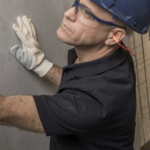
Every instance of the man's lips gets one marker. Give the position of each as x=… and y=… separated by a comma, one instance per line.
x=65, y=26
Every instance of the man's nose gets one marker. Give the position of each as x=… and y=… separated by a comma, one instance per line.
x=70, y=14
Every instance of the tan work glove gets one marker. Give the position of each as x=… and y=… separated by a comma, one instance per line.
x=29, y=55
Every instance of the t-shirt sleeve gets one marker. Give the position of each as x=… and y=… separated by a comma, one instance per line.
x=70, y=112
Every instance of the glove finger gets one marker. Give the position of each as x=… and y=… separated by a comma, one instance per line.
x=22, y=26
x=20, y=22
x=27, y=24
x=16, y=29
x=14, y=47
x=16, y=51
x=24, y=57
x=18, y=32
x=33, y=29
x=19, y=54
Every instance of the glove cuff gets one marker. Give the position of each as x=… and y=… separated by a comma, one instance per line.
x=43, y=68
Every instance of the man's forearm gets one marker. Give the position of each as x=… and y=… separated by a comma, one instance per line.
x=21, y=112
x=55, y=75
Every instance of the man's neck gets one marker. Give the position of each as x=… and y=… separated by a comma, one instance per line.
x=86, y=54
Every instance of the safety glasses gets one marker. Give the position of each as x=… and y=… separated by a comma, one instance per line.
x=86, y=16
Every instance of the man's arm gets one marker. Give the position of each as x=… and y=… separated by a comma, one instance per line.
x=55, y=75
x=21, y=112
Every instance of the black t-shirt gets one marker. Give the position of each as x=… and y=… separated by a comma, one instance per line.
x=94, y=107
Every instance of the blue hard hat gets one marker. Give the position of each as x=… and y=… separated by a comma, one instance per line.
x=134, y=13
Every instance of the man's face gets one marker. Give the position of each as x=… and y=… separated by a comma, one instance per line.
x=80, y=30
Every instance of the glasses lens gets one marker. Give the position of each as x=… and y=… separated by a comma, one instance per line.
x=83, y=15
x=85, y=18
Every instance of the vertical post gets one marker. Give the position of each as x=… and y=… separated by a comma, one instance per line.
x=136, y=138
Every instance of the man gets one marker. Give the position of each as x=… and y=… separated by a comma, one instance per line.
x=95, y=105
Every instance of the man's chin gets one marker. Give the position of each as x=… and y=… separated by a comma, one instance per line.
x=63, y=38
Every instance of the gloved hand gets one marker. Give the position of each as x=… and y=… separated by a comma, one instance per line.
x=29, y=55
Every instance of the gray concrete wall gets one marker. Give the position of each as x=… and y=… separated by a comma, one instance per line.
x=14, y=78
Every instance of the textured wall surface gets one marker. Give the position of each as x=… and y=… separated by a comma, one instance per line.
x=14, y=78
x=141, y=45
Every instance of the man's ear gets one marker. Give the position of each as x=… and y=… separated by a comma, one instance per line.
x=118, y=33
